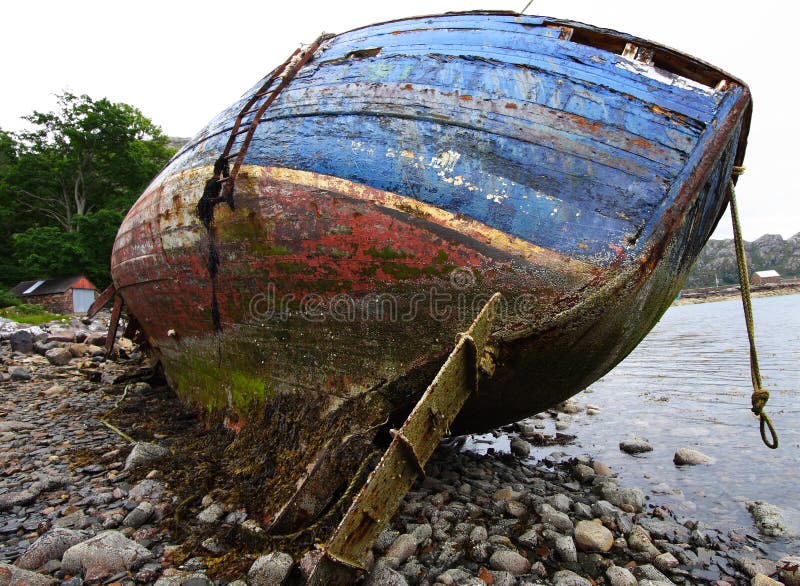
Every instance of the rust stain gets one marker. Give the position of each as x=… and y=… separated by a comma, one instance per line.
x=465, y=97
x=485, y=576
x=511, y=106
x=408, y=86
x=641, y=142
x=589, y=125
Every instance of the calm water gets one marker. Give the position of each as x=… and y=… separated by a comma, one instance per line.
x=688, y=385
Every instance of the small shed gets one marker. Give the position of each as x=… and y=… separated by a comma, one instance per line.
x=764, y=277
x=62, y=295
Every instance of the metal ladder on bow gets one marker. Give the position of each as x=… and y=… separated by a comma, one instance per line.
x=248, y=118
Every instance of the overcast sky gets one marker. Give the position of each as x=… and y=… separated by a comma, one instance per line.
x=181, y=62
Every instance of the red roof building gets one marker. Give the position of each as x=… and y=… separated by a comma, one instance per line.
x=62, y=295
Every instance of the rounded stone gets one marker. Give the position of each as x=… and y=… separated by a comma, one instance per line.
x=637, y=445
x=601, y=469
x=58, y=356
x=690, y=457
x=621, y=496
x=569, y=578
x=139, y=516
x=211, y=514
x=403, y=548
x=50, y=546
x=509, y=561
x=556, y=519
x=618, y=576
x=520, y=448
x=270, y=570
x=789, y=570
x=768, y=518
x=22, y=341
x=104, y=555
x=565, y=547
x=145, y=453
x=593, y=536
x=666, y=562
x=764, y=580
x=19, y=373
x=383, y=575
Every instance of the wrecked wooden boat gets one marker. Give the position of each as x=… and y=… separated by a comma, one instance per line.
x=303, y=265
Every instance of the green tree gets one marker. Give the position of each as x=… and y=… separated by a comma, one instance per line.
x=12, y=216
x=48, y=250
x=66, y=184
x=85, y=156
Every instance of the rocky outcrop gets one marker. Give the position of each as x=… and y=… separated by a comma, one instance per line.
x=717, y=261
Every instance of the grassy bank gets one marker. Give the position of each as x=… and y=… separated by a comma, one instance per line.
x=27, y=313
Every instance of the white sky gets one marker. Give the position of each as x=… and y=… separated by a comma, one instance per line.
x=182, y=61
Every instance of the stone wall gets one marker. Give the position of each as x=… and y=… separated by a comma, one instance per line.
x=56, y=302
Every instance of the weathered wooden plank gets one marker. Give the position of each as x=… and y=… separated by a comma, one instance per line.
x=522, y=188
x=104, y=297
x=522, y=86
x=574, y=135
x=407, y=455
x=561, y=58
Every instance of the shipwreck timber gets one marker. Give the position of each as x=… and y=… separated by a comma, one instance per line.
x=303, y=265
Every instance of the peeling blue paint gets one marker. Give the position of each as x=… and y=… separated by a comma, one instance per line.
x=565, y=145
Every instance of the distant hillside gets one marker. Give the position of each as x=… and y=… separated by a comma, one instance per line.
x=771, y=251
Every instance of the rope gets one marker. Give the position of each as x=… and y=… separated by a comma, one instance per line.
x=760, y=395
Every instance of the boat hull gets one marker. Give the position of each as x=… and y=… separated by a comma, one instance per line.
x=411, y=170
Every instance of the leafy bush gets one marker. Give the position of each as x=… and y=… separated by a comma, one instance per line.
x=7, y=299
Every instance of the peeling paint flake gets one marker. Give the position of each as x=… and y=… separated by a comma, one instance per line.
x=445, y=160
x=664, y=76
x=497, y=197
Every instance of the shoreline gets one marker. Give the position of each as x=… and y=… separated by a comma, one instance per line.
x=711, y=294
x=161, y=503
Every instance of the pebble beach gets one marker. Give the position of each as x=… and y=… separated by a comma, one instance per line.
x=91, y=492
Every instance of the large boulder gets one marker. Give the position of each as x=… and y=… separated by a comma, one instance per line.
x=61, y=336
x=50, y=546
x=768, y=518
x=22, y=341
x=13, y=576
x=58, y=356
x=106, y=554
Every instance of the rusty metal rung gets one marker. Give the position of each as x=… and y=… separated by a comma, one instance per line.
x=410, y=449
x=278, y=80
x=343, y=560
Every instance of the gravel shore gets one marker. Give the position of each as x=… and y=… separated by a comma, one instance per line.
x=96, y=488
